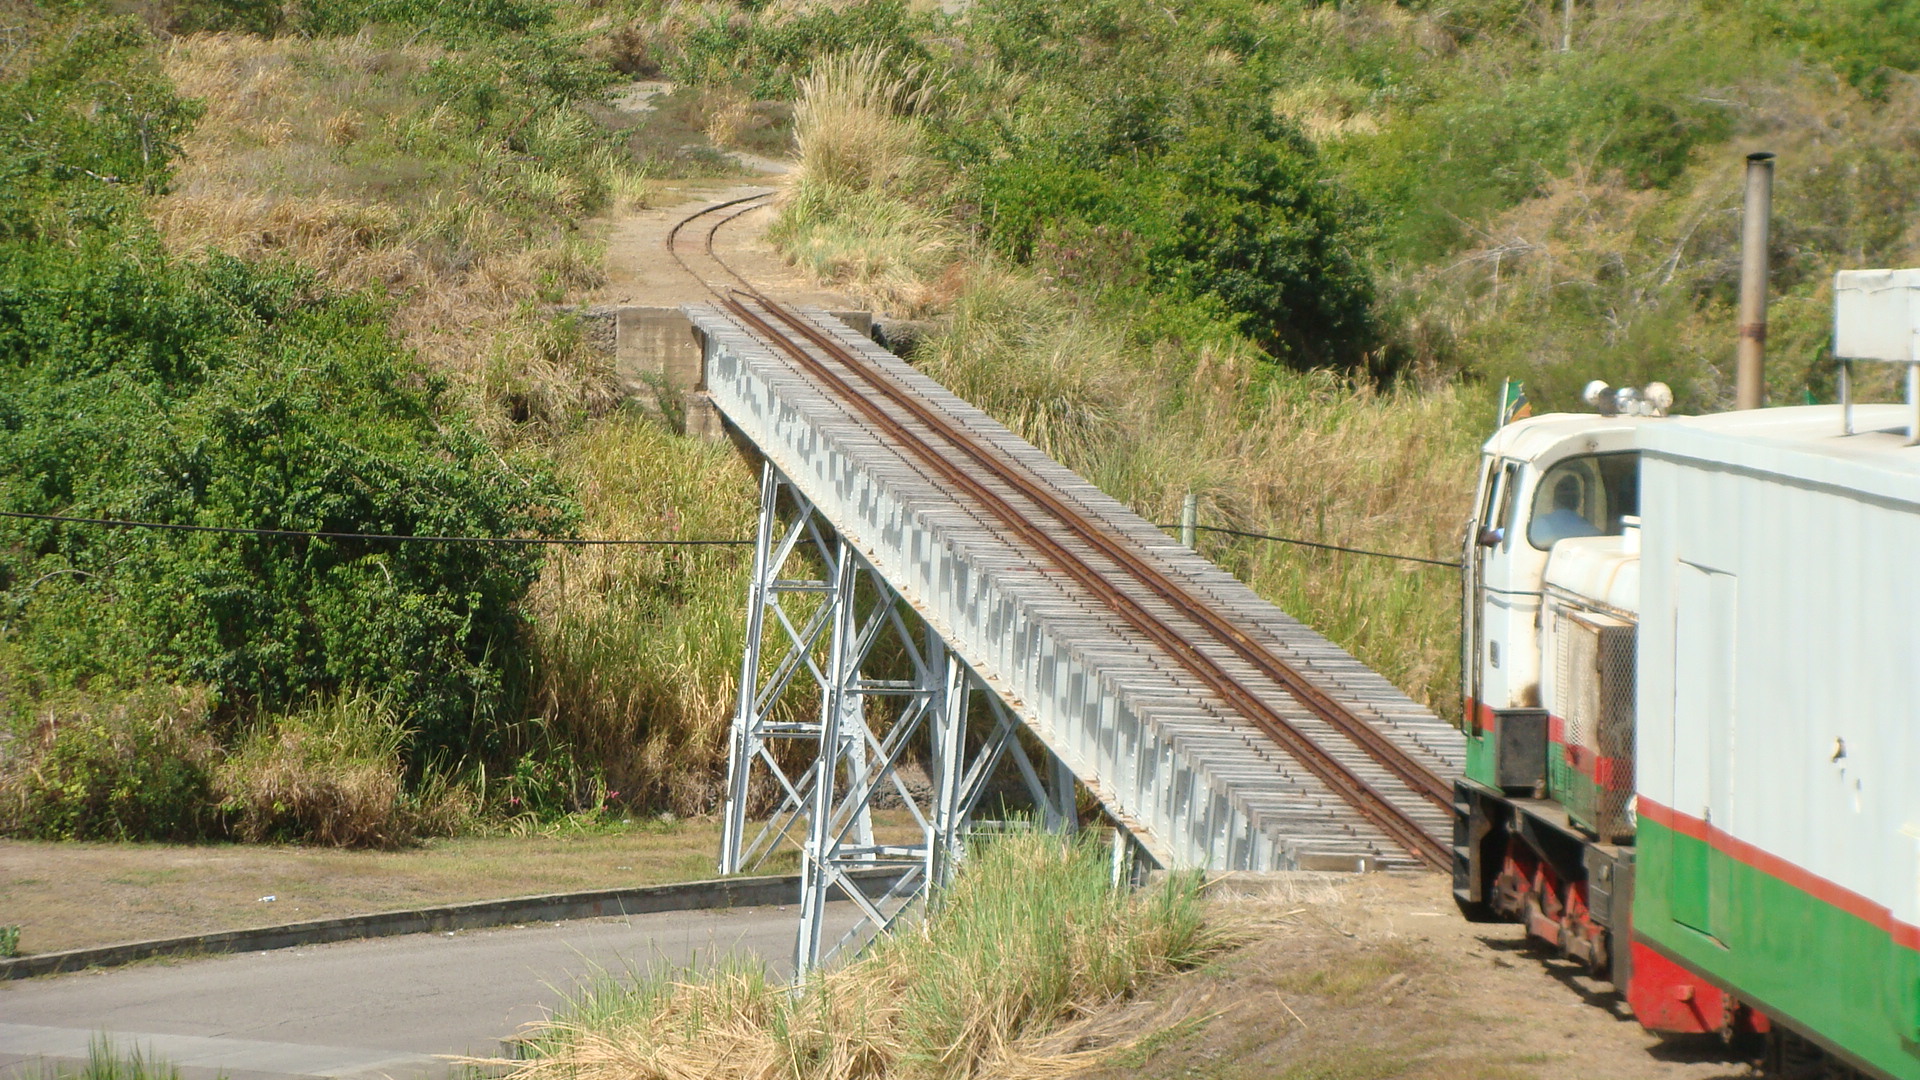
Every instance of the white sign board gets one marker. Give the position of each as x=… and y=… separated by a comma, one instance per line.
x=1876, y=315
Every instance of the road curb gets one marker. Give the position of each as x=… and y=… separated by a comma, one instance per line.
x=547, y=907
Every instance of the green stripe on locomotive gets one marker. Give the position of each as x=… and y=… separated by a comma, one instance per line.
x=1829, y=972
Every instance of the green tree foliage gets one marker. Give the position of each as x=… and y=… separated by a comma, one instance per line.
x=445, y=18
x=84, y=121
x=218, y=393
x=1867, y=41
x=764, y=51
x=1134, y=161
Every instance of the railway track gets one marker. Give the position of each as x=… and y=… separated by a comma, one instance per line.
x=1355, y=761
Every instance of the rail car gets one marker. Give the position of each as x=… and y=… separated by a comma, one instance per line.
x=1691, y=657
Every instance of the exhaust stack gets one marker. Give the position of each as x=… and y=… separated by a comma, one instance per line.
x=1750, y=382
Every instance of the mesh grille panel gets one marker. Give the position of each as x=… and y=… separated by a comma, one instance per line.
x=1593, y=695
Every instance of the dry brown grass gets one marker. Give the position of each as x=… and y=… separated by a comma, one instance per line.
x=638, y=648
x=331, y=775
x=842, y=214
x=1314, y=456
x=852, y=125
x=284, y=165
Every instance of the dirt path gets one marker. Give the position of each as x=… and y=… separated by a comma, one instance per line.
x=639, y=271
x=1376, y=976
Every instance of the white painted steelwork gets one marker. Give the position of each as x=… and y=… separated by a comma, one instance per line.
x=1196, y=785
x=819, y=613
x=1780, y=639
x=1876, y=316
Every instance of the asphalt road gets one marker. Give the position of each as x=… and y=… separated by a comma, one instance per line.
x=363, y=1009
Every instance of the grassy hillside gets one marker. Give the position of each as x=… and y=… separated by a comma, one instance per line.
x=307, y=266
x=1279, y=254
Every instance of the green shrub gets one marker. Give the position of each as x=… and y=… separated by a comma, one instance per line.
x=1237, y=217
x=227, y=394
x=453, y=18
x=765, y=49
x=224, y=394
x=90, y=119
x=110, y=767
x=1866, y=41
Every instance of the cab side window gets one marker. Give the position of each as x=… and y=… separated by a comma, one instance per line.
x=1497, y=512
x=1584, y=496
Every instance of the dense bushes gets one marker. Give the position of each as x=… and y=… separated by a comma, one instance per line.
x=88, y=767
x=147, y=765
x=214, y=394
x=89, y=118
x=763, y=50
x=228, y=395
x=1128, y=163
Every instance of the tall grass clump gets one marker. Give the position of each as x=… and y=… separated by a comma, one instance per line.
x=1032, y=934
x=636, y=650
x=859, y=149
x=332, y=773
x=105, y=1061
x=79, y=765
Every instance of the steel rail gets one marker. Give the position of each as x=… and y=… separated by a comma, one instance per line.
x=1340, y=779
x=1397, y=761
x=1382, y=750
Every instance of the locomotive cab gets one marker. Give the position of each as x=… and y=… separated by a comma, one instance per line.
x=1543, y=481
x=1549, y=612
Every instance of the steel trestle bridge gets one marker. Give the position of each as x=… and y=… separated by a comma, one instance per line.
x=967, y=609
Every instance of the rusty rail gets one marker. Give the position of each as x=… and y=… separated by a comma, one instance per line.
x=1343, y=781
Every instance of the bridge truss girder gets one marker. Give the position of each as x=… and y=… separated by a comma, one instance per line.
x=818, y=611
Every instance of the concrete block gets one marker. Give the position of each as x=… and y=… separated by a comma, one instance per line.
x=860, y=321
x=654, y=349
x=703, y=419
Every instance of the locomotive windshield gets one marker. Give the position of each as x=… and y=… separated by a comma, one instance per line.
x=1585, y=496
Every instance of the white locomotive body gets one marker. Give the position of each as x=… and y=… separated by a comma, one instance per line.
x=1692, y=672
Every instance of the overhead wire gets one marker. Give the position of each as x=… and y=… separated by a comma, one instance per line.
x=1316, y=544
x=318, y=534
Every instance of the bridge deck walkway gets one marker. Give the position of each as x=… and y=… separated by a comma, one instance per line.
x=1196, y=782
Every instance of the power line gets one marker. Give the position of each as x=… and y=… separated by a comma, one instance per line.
x=1317, y=544
x=311, y=534
x=234, y=530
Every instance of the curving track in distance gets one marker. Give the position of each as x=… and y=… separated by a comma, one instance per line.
x=1178, y=620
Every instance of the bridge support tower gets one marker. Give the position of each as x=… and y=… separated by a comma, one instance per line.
x=893, y=701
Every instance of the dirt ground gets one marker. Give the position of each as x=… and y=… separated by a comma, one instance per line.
x=639, y=271
x=1376, y=976
x=67, y=896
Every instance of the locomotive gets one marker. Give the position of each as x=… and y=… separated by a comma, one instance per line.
x=1691, y=672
